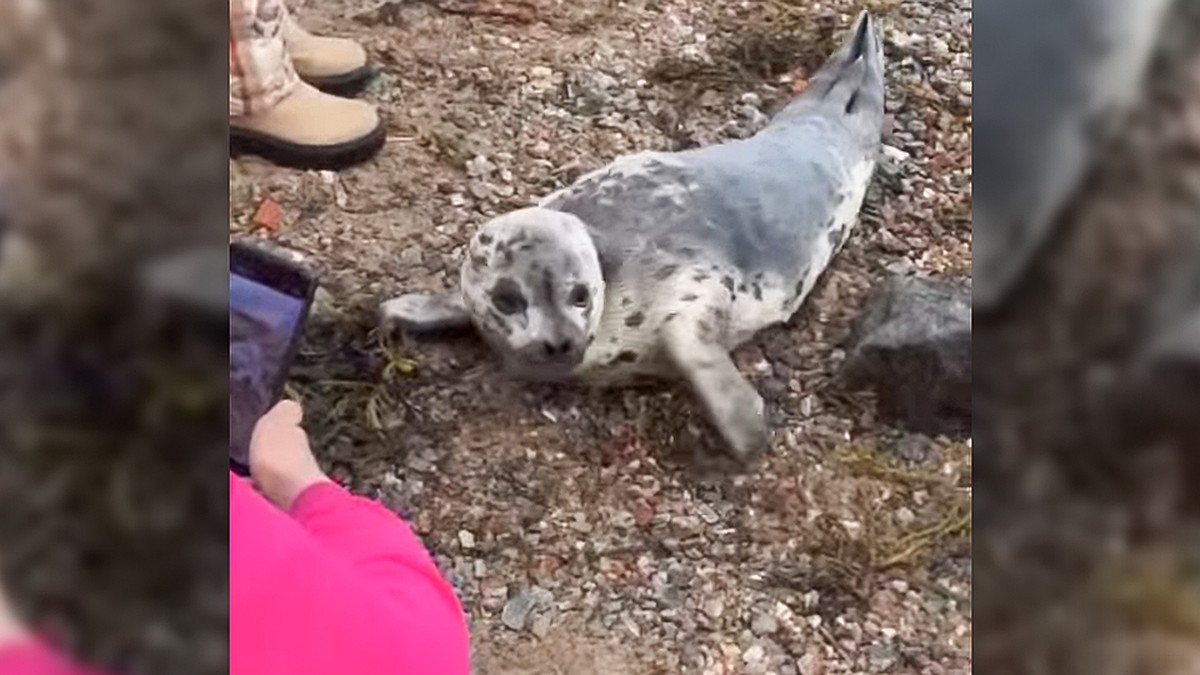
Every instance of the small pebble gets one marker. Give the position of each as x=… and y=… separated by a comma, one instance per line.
x=519, y=607
x=807, y=405
x=764, y=624
x=812, y=599
x=412, y=256
x=901, y=267
x=893, y=154
x=466, y=539
x=540, y=626
x=783, y=612
x=810, y=664
x=714, y=608
x=754, y=654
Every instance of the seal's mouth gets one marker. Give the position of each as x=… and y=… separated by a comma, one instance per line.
x=542, y=370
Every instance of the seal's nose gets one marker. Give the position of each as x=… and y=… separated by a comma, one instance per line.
x=557, y=349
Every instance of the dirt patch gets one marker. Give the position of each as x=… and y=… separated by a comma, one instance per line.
x=562, y=652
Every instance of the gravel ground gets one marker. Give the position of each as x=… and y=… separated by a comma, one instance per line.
x=598, y=533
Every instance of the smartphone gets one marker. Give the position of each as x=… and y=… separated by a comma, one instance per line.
x=269, y=301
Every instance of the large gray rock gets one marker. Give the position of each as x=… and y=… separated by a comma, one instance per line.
x=912, y=346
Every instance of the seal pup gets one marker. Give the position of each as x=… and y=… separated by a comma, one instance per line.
x=661, y=263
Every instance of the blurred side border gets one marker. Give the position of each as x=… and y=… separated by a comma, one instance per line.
x=1087, y=380
x=113, y=176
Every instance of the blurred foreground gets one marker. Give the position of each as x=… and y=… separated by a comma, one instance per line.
x=113, y=530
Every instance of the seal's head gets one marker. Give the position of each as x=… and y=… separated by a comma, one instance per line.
x=531, y=281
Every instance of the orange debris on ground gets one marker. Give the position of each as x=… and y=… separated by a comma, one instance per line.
x=268, y=215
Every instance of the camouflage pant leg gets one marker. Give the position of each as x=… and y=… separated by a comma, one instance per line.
x=260, y=72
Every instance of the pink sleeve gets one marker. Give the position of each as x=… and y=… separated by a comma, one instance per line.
x=376, y=541
x=300, y=604
x=36, y=658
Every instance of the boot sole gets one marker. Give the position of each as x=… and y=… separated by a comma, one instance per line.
x=347, y=85
x=300, y=156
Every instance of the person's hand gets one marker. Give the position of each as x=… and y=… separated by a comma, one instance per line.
x=12, y=629
x=281, y=463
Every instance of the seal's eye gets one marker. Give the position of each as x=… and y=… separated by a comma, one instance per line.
x=579, y=296
x=507, y=297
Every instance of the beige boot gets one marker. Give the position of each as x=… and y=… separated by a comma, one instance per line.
x=332, y=64
x=310, y=130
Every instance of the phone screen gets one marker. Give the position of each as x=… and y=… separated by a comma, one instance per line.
x=264, y=325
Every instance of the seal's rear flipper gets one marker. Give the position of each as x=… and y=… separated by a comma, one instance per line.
x=850, y=84
x=418, y=313
x=860, y=42
x=853, y=77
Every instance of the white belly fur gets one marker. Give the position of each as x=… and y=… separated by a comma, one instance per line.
x=614, y=336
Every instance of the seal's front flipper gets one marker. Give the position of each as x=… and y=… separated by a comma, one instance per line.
x=417, y=313
x=733, y=405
